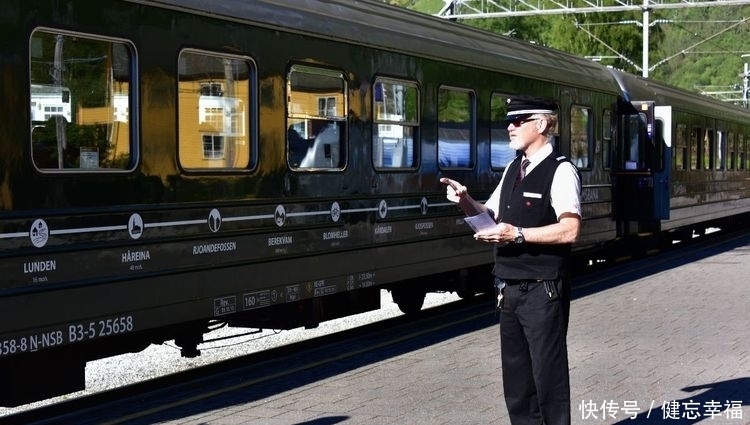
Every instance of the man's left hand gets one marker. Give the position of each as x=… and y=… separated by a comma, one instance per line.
x=502, y=233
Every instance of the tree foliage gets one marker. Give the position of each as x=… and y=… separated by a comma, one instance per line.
x=688, y=47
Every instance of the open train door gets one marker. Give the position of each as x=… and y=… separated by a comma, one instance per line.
x=663, y=166
x=640, y=171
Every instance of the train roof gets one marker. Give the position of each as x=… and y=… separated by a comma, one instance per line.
x=635, y=87
x=382, y=26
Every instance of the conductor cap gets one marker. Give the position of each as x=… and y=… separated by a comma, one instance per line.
x=527, y=105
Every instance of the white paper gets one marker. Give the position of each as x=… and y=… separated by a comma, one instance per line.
x=480, y=222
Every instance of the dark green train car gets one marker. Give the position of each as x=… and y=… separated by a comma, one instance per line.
x=166, y=165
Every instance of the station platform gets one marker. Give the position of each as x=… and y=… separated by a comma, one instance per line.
x=670, y=347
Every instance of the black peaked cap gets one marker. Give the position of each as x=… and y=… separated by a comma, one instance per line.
x=527, y=105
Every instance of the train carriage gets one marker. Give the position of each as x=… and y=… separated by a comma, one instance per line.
x=688, y=171
x=262, y=164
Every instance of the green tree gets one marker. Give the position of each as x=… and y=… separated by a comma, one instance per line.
x=688, y=47
x=603, y=35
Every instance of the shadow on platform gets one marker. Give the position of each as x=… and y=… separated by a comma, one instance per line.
x=720, y=401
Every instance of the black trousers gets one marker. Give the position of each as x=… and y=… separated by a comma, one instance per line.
x=533, y=332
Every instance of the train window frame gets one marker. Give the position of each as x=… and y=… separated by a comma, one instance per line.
x=607, y=136
x=707, y=148
x=404, y=121
x=453, y=160
x=224, y=116
x=742, y=152
x=720, y=150
x=311, y=144
x=86, y=115
x=501, y=153
x=631, y=152
x=696, y=151
x=656, y=157
x=581, y=151
x=681, y=160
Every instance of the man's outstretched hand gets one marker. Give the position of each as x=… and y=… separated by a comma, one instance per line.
x=455, y=191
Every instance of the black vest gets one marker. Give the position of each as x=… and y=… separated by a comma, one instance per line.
x=529, y=205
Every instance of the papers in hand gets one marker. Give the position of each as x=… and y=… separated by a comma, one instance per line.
x=480, y=222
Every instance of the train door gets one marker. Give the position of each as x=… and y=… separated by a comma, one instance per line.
x=663, y=166
x=639, y=175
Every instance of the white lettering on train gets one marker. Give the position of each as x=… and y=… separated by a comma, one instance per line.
x=382, y=230
x=280, y=240
x=424, y=226
x=131, y=256
x=44, y=340
x=76, y=332
x=338, y=234
x=211, y=248
x=39, y=266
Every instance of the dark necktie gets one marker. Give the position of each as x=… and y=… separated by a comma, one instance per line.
x=522, y=172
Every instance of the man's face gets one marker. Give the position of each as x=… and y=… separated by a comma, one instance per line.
x=522, y=130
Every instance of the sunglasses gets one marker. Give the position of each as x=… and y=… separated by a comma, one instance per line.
x=519, y=121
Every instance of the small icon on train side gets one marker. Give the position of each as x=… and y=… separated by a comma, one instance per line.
x=135, y=226
x=279, y=215
x=214, y=220
x=39, y=233
x=335, y=212
x=383, y=209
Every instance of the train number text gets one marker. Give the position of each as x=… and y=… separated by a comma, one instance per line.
x=72, y=333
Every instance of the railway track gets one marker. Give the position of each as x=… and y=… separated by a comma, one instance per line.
x=263, y=373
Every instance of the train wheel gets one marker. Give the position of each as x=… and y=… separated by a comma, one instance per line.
x=465, y=290
x=409, y=300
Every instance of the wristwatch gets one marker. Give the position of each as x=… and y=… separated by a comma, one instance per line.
x=519, y=235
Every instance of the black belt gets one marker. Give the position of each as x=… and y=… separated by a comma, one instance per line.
x=523, y=284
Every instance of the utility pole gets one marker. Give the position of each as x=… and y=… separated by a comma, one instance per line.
x=645, y=27
x=745, y=80
x=745, y=77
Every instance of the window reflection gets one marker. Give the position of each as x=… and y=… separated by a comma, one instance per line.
x=316, y=118
x=455, y=128
x=500, y=152
x=396, y=123
x=80, y=95
x=581, y=137
x=214, y=94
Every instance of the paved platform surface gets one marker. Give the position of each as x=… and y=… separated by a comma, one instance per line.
x=671, y=347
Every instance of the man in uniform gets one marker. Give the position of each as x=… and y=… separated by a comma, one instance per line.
x=537, y=211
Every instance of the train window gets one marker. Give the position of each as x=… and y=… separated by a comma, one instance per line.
x=720, y=151
x=732, y=155
x=500, y=152
x=395, y=123
x=81, y=93
x=215, y=94
x=632, y=130
x=607, y=139
x=581, y=136
x=707, y=150
x=741, y=152
x=737, y=152
x=456, y=122
x=316, y=118
x=655, y=156
x=680, y=149
x=695, y=147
